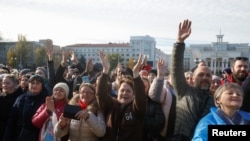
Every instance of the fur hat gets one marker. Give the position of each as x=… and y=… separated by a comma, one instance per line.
x=64, y=86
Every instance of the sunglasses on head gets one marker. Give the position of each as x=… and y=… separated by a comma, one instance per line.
x=241, y=58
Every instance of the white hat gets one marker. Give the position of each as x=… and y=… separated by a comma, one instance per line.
x=64, y=86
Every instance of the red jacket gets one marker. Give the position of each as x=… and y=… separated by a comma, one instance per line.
x=230, y=79
x=42, y=114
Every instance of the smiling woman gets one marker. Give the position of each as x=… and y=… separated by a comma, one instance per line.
x=8, y=95
x=20, y=117
x=126, y=113
x=82, y=120
x=228, y=99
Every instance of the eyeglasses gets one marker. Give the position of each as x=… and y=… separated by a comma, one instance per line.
x=87, y=93
x=241, y=58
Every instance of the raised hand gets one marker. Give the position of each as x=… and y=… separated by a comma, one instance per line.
x=184, y=31
x=50, y=53
x=64, y=57
x=161, y=69
x=105, y=62
x=50, y=103
x=138, y=65
x=73, y=57
x=89, y=65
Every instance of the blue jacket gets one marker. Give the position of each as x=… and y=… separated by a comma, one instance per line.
x=212, y=118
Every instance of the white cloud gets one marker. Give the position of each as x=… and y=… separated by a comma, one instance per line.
x=78, y=21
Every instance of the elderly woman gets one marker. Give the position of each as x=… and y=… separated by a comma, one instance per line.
x=228, y=100
x=19, y=126
x=124, y=115
x=89, y=124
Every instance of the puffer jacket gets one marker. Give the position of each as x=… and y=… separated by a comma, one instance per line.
x=84, y=130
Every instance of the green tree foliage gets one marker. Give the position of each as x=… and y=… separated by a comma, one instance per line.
x=114, y=60
x=40, y=58
x=22, y=49
x=131, y=63
x=11, y=57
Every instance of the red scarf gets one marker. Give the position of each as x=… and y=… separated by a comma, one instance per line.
x=83, y=105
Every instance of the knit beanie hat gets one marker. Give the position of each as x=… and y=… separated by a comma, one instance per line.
x=64, y=86
x=37, y=77
x=43, y=70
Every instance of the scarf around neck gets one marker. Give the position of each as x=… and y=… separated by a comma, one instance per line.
x=83, y=105
x=237, y=119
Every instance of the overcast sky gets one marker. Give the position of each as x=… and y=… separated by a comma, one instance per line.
x=102, y=21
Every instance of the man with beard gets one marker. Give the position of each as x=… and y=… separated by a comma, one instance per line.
x=239, y=70
x=240, y=76
x=192, y=102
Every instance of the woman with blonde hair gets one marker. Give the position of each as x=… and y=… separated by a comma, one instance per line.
x=228, y=99
x=88, y=124
x=10, y=92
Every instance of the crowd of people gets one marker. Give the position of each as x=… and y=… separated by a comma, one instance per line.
x=125, y=104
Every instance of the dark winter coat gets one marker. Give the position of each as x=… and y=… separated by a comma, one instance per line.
x=6, y=103
x=19, y=126
x=154, y=121
x=123, y=123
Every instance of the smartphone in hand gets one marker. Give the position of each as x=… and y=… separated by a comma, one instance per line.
x=71, y=110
